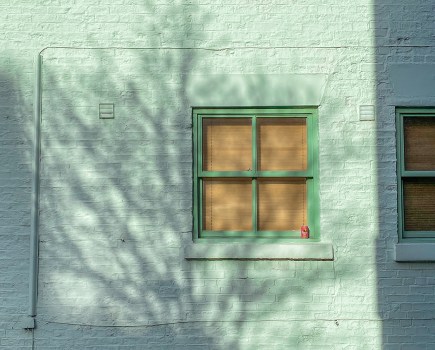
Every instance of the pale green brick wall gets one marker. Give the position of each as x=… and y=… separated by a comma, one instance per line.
x=116, y=194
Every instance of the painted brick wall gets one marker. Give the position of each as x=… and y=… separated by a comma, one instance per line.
x=116, y=194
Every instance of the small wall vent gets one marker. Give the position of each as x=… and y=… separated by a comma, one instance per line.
x=366, y=112
x=107, y=111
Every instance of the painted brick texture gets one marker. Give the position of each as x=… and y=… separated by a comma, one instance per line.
x=116, y=195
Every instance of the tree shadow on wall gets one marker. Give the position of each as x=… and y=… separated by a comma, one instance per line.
x=116, y=213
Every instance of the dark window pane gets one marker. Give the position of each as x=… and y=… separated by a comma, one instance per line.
x=419, y=204
x=419, y=143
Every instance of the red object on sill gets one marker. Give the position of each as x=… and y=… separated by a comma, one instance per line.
x=305, y=232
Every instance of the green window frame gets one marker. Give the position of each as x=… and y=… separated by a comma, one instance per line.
x=310, y=174
x=415, y=183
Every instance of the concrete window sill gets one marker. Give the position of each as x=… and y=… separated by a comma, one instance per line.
x=414, y=252
x=242, y=251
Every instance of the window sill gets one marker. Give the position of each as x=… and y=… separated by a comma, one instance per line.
x=244, y=251
x=414, y=252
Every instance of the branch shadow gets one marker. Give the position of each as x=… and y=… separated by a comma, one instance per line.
x=116, y=213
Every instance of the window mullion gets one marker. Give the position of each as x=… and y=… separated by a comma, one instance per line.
x=200, y=146
x=254, y=144
x=418, y=173
x=225, y=173
x=201, y=204
x=254, y=178
x=197, y=200
x=278, y=173
x=254, y=204
x=311, y=137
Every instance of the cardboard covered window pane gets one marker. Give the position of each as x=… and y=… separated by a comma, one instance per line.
x=419, y=204
x=227, y=204
x=419, y=143
x=282, y=204
x=227, y=144
x=282, y=144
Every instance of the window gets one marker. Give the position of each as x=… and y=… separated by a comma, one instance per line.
x=255, y=173
x=416, y=174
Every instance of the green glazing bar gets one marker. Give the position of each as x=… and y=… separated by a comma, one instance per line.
x=195, y=198
x=416, y=239
x=226, y=116
x=226, y=173
x=310, y=136
x=400, y=208
x=295, y=112
x=415, y=112
x=242, y=234
x=415, y=173
x=401, y=145
x=305, y=174
x=200, y=146
x=419, y=234
x=313, y=184
x=254, y=144
x=200, y=201
x=254, y=168
x=312, y=209
x=254, y=205
x=400, y=170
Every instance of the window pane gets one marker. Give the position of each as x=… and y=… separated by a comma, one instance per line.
x=227, y=144
x=282, y=143
x=419, y=204
x=282, y=204
x=419, y=143
x=227, y=204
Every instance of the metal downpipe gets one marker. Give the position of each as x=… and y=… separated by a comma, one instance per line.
x=34, y=225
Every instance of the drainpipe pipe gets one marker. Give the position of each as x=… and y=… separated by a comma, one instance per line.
x=34, y=225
